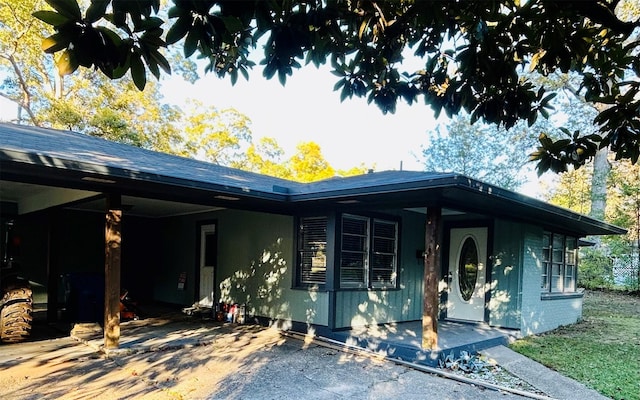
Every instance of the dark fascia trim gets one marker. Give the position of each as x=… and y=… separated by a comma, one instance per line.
x=459, y=182
x=16, y=162
x=72, y=170
x=539, y=205
x=441, y=181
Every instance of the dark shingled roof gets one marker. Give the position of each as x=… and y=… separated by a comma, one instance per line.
x=72, y=150
x=66, y=158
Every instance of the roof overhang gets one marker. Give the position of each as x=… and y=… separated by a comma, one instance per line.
x=458, y=192
x=87, y=165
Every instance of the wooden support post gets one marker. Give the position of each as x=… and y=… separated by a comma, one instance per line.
x=112, y=273
x=431, y=307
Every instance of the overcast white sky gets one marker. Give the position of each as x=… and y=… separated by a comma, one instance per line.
x=307, y=109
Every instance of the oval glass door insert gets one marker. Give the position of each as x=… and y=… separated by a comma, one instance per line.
x=468, y=268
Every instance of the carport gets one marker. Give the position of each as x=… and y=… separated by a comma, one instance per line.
x=55, y=175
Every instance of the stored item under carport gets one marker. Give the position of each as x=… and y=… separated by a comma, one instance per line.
x=16, y=301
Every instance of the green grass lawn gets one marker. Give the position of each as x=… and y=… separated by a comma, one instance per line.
x=602, y=351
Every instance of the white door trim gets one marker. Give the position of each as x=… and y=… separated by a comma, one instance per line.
x=206, y=290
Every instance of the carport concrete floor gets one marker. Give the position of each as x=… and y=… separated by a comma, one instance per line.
x=195, y=359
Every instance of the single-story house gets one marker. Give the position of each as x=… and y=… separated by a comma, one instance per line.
x=377, y=248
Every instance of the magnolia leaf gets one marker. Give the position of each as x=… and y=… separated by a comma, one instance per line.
x=55, y=43
x=66, y=63
x=51, y=17
x=161, y=61
x=363, y=27
x=233, y=24
x=179, y=29
x=536, y=59
x=122, y=69
x=152, y=65
x=68, y=8
x=176, y=11
x=96, y=10
x=138, y=73
x=191, y=43
x=111, y=35
x=244, y=72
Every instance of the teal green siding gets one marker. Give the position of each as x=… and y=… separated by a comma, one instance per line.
x=176, y=254
x=376, y=306
x=506, y=274
x=255, y=267
x=256, y=263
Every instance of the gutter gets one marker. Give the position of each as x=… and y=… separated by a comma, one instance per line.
x=533, y=203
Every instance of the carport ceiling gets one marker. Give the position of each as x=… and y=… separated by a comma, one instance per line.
x=150, y=208
x=26, y=194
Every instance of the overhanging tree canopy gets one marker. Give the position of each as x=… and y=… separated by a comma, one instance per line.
x=472, y=52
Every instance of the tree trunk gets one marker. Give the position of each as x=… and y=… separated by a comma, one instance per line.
x=601, y=169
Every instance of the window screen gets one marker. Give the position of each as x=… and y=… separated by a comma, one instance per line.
x=312, y=243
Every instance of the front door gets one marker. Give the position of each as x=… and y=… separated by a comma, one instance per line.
x=467, y=273
x=208, y=257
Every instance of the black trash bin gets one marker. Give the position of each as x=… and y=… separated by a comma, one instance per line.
x=83, y=297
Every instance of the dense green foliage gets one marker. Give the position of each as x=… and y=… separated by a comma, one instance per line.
x=472, y=53
x=596, y=268
x=86, y=102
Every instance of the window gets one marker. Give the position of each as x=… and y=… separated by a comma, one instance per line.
x=366, y=256
x=368, y=253
x=559, y=263
x=312, y=250
x=468, y=268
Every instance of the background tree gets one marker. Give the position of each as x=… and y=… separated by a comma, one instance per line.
x=27, y=73
x=306, y=165
x=596, y=268
x=472, y=50
x=480, y=151
x=85, y=102
x=572, y=190
x=218, y=136
x=624, y=205
x=266, y=157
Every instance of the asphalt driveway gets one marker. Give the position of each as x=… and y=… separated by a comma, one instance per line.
x=250, y=363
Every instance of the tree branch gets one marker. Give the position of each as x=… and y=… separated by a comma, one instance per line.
x=604, y=13
x=25, y=103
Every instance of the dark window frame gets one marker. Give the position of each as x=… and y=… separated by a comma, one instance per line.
x=559, y=264
x=333, y=252
x=305, y=277
x=371, y=252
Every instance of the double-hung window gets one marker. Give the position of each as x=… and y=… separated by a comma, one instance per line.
x=559, y=263
x=368, y=252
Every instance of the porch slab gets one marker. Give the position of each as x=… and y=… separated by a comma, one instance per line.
x=403, y=340
x=397, y=340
